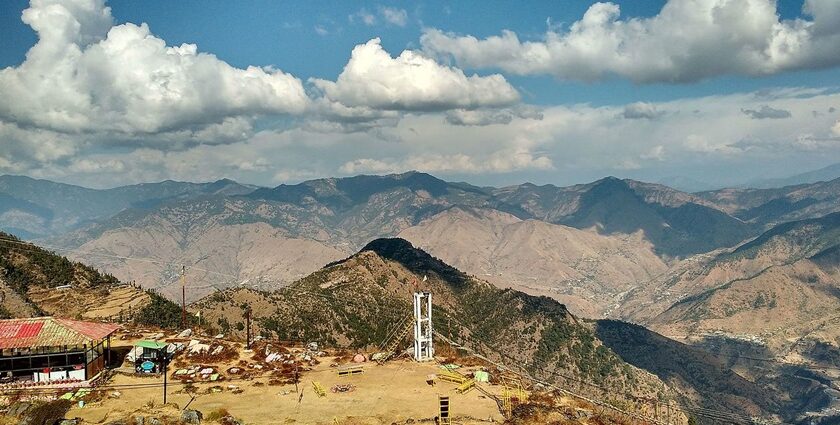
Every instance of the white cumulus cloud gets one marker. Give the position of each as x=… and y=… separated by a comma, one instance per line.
x=641, y=110
x=394, y=16
x=503, y=161
x=481, y=117
x=412, y=82
x=86, y=75
x=688, y=40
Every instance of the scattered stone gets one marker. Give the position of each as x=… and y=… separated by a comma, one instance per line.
x=342, y=388
x=198, y=348
x=190, y=416
x=186, y=333
x=139, y=420
x=219, y=336
x=156, y=336
x=379, y=356
x=359, y=358
x=69, y=422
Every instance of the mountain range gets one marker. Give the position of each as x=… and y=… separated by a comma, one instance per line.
x=32, y=208
x=357, y=301
x=589, y=245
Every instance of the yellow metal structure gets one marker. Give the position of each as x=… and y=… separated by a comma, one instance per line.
x=513, y=394
x=453, y=377
x=466, y=386
x=445, y=416
x=350, y=370
x=319, y=389
x=507, y=406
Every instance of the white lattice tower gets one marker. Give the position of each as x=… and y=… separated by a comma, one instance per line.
x=423, y=348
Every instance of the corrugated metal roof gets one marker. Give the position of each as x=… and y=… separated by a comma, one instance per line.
x=151, y=344
x=39, y=332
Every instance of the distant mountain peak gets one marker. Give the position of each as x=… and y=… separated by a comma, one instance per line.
x=610, y=185
x=414, y=259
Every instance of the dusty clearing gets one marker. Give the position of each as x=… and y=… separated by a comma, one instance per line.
x=394, y=392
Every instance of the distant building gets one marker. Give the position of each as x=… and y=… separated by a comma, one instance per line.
x=52, y=349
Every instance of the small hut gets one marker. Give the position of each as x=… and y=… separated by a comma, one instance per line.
x=149, y=356
x=51, y=349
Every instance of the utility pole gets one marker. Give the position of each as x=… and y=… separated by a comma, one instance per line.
x=296, y=378
x=183, y=297
x=165, y=362
x=248, y=328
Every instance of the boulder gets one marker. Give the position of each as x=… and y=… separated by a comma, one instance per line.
x=198, y=348
x=186, y=333
x=190, y=416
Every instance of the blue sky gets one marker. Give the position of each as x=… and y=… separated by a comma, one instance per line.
x=533, y=105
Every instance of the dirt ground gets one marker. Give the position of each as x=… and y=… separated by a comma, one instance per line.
x=394, y=392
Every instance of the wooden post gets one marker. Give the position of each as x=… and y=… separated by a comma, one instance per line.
x=296, y=378
x=164, y=378
x=183, y=297
x=248, y=328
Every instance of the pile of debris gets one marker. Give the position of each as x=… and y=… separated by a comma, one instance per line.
x=198, y=373
x=343, y=388
x=210, y=352
x=270, y=355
